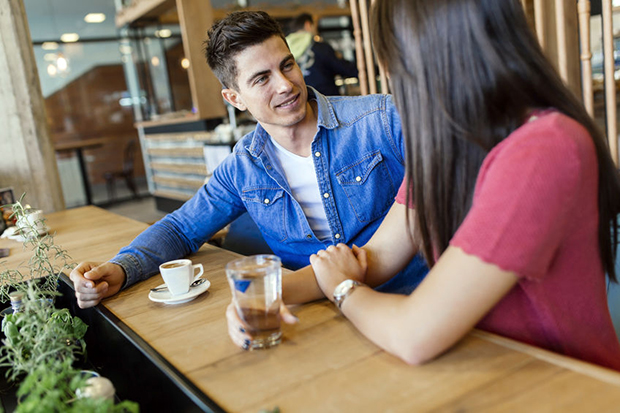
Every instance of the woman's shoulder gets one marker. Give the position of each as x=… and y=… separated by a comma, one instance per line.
x=547, y=136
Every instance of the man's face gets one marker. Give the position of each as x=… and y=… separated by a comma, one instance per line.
x=270, y=85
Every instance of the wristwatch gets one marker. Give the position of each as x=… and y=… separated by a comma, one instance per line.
x=343, y=290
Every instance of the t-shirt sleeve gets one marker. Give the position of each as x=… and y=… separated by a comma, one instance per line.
x=401, y=196
x=523, y=200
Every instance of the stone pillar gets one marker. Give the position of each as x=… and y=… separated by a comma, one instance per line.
x=27, y=158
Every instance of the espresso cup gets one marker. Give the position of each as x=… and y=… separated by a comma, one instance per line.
x=32, y=221
x=179, y=275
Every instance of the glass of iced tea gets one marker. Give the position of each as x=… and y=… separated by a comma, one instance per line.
x=256, y=285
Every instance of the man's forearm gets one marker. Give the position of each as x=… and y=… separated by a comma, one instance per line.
x=300, y=287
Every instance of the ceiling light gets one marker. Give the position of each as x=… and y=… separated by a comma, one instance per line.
x=185, y=63
x=49, y=46
x=50, y=57
x=61, y=63
x=51, y=70
x=155, y=61
x=163, y=33
x=70, y=37
x=94, y=18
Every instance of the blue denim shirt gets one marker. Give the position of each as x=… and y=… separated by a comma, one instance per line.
x=359, y=162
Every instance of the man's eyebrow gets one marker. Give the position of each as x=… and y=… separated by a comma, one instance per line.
x=286, y=59
x=265, y=72
x=255, y=75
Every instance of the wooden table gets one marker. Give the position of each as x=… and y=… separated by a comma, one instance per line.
x=78, y=147
x=323, y=363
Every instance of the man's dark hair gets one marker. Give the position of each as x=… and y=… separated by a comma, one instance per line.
x=233, y=34
x=299, y=22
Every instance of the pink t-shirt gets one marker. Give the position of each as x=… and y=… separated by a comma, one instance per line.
x=535, y=212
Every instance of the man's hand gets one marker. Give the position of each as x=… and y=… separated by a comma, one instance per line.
x=238, y=330
x=336, y=264
x=94, y=281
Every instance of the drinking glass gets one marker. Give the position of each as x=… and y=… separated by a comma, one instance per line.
x=256, y=285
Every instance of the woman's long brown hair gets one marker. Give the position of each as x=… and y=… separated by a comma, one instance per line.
x=464, y=74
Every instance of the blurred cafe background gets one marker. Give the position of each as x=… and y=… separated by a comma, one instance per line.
x=111, y=103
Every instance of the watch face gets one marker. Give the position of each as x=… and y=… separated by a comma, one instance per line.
x=343, y=287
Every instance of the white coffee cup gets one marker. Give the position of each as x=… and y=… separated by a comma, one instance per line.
x=179, y=275
x=33, y=220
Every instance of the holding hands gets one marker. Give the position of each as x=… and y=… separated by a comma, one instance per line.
x=330, y=266
x=94, y=281
x=336, y=264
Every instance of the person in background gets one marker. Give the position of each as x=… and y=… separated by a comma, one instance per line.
x=317, y=59
x=316, y=170
x=510, y=191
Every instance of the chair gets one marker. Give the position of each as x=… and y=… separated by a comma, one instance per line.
x=126, y=173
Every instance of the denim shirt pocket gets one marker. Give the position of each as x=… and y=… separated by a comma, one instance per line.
x=266, y=207
x=368, y=187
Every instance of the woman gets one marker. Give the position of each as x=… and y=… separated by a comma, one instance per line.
x=511, y=187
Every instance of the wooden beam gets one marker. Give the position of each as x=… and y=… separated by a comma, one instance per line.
x=196, y=18
x=142, y=9
x=370, y=61
x=28, y=158
x=610, y=83
x=317, y=10
x=359, y=48
x=560, y=18
x=539, y=20
x=586, y=55
x=561, y=40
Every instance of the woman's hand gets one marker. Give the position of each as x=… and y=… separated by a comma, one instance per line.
x=336, y=264
x=238, y=330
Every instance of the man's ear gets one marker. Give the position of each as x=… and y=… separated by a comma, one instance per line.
x=232, y=97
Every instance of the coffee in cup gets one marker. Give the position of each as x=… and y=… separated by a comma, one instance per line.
x=179, y=275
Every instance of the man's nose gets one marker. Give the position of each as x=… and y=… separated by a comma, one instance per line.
x=284, y=83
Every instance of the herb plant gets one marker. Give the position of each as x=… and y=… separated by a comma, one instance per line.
x=41, y=342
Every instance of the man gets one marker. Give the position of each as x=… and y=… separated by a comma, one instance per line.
x=315, y=172
x=318, y=60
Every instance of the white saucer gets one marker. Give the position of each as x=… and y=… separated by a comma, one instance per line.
x=167, y=298
x=12, y=233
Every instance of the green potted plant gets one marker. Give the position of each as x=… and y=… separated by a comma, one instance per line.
x=41, y=342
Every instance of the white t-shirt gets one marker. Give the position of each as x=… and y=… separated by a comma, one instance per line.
x=301, y=177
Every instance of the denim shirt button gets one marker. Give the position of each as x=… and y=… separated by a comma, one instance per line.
x=266, y=200
x=317, y=154
x=358, y=178
x=309, y=236
x=325, y=195
x=337, y=236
